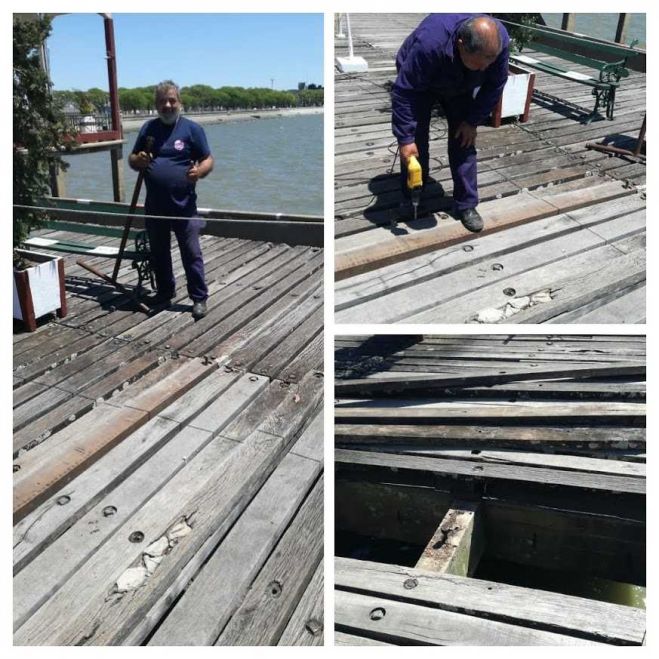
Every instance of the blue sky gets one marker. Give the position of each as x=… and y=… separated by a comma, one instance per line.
x=246, y=50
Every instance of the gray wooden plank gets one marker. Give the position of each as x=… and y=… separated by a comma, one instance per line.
x=264, y=613
x=217, y=591
x=306, y=626
x=454, y=468
x=566, y=614
x=402, y=623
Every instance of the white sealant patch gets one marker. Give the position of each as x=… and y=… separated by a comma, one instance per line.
x=135, y=577
x=515, y=305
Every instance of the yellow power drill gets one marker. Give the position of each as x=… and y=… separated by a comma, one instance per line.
x=414, y=182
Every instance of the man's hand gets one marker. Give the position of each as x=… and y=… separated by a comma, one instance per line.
x=200, y=169
x=407, y=151
x=193, y=173
x=466, y=135
x=140, y=160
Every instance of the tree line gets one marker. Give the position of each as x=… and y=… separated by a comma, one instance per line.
x=196, y=98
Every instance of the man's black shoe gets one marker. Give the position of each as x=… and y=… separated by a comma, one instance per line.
x=160, y=300
x=199, y=309
x=470, y=218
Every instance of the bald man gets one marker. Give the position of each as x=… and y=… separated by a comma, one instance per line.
x=461, y=62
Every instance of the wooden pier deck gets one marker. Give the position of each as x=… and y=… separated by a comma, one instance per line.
x=490, y=490
x=168, y=474
x=564, y=237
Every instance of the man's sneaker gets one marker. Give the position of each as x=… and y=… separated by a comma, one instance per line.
x=470, y=218
x=199, y=309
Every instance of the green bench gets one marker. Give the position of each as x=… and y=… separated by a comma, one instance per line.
x=138, y=256
x=609, y=60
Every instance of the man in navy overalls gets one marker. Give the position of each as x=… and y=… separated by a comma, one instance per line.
x=460, y=61
x=179, y=158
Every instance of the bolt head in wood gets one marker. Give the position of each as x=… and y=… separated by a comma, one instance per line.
x=377, y=613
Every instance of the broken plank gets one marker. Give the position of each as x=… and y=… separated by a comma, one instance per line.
x=212, y=598
x=81, y=613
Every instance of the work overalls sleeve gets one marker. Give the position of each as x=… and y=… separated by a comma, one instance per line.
x=412, y=82
x=490, y=91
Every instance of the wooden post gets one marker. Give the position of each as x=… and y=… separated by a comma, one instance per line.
x=57, y=180
x=457, y=544
x=117, y=160
x=568, y=22
x=621, y=30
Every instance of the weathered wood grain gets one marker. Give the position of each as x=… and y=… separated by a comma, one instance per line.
x=562, y=614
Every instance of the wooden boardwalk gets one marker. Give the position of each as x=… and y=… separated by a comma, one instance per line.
x=168, y=474
x=490, y=490
x=564, y=237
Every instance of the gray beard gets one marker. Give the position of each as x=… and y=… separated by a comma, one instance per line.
x=168, y=119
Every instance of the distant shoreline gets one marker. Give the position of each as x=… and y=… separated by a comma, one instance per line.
x=134, y=123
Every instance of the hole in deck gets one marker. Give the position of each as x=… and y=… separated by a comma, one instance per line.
x=583, y=543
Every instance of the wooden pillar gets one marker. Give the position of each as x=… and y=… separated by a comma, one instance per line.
x=57, y=180
x=621, y=30
x=568, y=22
x=457, y=545
x=117, y=160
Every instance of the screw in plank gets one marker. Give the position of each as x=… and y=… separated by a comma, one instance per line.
x=410, y=583
x=108, y=511
x=497, y=266
x=313, y=626
x=136, y=536
x=468, y=248
x=253, y=378
x=274, y=587
x=377, y=613
x=63, y=500
x=510, y=292
x=16, y=468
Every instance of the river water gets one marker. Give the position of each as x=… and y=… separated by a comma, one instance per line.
x=272, y=165
x=603, y=26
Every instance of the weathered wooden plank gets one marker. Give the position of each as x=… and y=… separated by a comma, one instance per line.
x=382, y=410
x=306, y=624
x=370, y=386
x=476, y=436
x=457, y=544
x=42, y=471
x=456, y=469
x=563, y=614
x=106, y=477
x=402, y=623
x=218, y=590
x=498, y=215
x=341, y=638
x=82, y=613
x=271, y=600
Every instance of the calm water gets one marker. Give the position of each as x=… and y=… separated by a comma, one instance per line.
x=603, y=26
x=269, y=165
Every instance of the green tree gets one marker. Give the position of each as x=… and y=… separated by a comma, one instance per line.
x=39, y=131
x=519, y=33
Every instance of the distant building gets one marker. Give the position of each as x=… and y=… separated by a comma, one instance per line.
x=301, y=86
